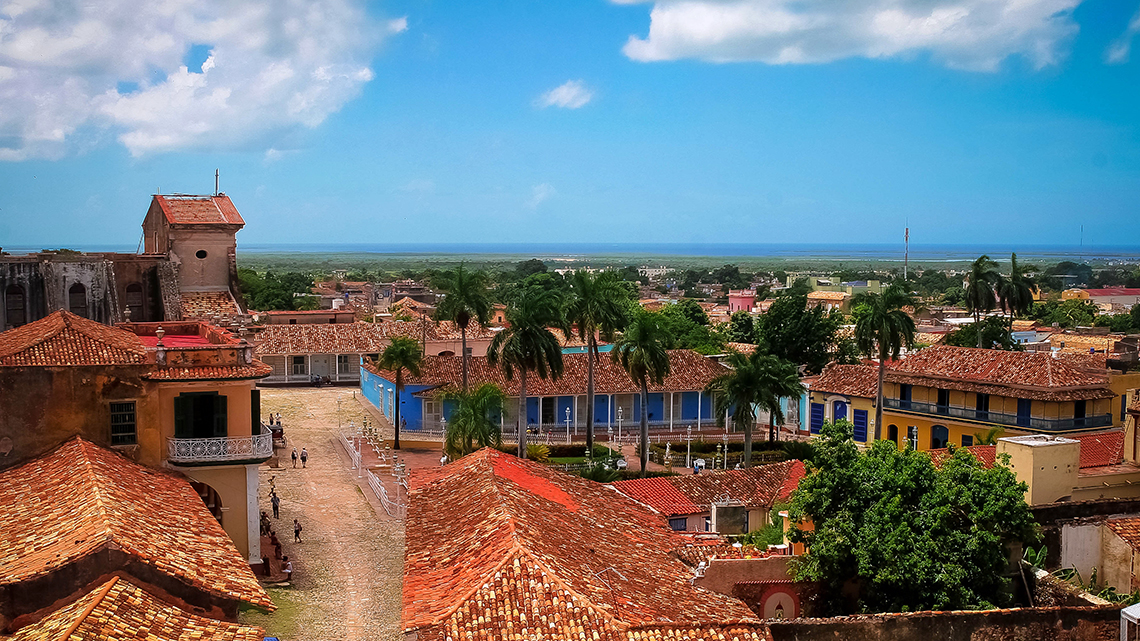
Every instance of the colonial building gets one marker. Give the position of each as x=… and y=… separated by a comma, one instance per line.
x=180, y=395
x=187, y=270
x=554, y=405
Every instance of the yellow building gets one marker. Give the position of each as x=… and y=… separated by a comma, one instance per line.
x=944, y=395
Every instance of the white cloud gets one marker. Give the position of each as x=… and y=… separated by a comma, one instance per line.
x=73, y=69
x=572, y=94
x=1119, y=51
x=967, y=34
x=540, y=194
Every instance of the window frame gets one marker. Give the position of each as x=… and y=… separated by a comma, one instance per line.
x=134, y=422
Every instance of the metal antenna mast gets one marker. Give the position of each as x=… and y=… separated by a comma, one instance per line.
x=216, y=173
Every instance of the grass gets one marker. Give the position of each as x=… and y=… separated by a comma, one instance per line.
x=284, y=622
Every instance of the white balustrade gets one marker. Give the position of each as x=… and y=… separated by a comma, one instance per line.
x=219, y=450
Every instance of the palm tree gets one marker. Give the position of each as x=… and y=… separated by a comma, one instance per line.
x=401, y=354
x=1016, y=292
x=528, y=345
x=466, y=301
x=882, y=329
x=596, y=308
x=474, y=423
x=756, y=380
x=641, y=353
x=981, y=283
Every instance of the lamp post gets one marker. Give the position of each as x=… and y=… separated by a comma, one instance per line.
x=443, y=425
x=619, y=425
x=567, y=425
x=610, y=429
x=689, y=446
x=725, y=451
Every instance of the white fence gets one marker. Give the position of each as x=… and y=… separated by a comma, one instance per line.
x=394, y=508
x=349, y=443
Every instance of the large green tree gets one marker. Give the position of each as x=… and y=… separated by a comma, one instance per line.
x=466, y=301
x=475, y=420
x=798, y=334
x=756, y=380
x=1016, y=292
x=641, y=352
x=981, y=288
x=403, y=354
x=527, y=344
x=910, y=535
x=882, y=330
x=995, y=334
x=597, y=307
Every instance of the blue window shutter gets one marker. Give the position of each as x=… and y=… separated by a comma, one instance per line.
x=816, y=417
x=860, y=417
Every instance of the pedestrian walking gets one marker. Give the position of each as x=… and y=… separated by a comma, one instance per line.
x=276, y=505
x=304, y=457
x=294, y=457
x=287, y=568
x=264, y=524
x=296, y=531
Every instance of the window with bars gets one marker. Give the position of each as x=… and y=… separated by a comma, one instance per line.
x=123, y=425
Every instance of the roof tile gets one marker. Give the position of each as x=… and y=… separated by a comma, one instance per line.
x=199, y=210
x=64, y=339
x=760, y=486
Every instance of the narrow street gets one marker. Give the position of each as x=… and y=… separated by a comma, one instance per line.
x=349, y=565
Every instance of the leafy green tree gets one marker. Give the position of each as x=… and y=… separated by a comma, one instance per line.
x=757, y=380
x=528, y=345
x=1016, y=292
x=795, y=333
x=953, y=296
x=995, y=335
x=275, y=291
x=641, y=352
x=1118, y=323
x=475, y=421
x=741, y=328
x=402, y=354
x=685, y=331
x=1069, y=313
x=883, y=329
x=1135, y=314
x=981, y=284
x=467, y=300
x=529, y=268
x=910, y=535
x=597, y=307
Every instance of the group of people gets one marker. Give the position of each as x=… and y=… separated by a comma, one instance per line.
x=267, y=530
x=304, y=457
x=275, y=418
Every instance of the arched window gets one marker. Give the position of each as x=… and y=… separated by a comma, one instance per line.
x=893, y=434
x=135, y=301
x=77, y=300
x=939, y=436
x=15, y=306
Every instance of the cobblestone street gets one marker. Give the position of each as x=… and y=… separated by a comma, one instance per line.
x=348, y=568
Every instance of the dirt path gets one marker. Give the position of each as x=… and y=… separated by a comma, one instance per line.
x=349, y=565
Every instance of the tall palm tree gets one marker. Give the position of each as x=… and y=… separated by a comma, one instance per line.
x=641, y=352
x=882, y=329
x=756, y=380
x=528, y=345
x=596, y=308
x=401, y=354
x=475, y=422
x=1016, y=292
x=984, y=278
x=466, y=300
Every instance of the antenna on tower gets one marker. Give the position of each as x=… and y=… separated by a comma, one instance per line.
x=906, y=249
x=216, y=174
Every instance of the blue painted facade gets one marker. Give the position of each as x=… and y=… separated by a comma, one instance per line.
x=381, y=393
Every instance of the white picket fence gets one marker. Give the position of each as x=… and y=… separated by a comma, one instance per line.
x=350, y=446
x=393, y=508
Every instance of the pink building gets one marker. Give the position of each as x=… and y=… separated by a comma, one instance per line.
x=741, y=300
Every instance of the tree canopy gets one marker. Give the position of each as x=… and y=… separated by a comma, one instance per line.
x=910, y=535
x=995, y=335
x=795, y=333
x=275, y=291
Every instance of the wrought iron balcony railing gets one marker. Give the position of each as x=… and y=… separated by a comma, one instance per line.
x=220, y=450
x=1000, y=418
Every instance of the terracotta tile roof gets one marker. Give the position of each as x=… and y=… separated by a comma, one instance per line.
x=690, y=371
x=64, y=339
x=1034, y=375
x=861, y=381
x=1083, y=361
x=355, y=338
x=1024, y=325
x=1082, y=344
x=1114, y=291
x=760, y=486
x=1127, y=528
x=199, y=210
x=118, y=610
x=208, y=305
x=929, y=338
x=506, y=548
x=822, y=295
x=986, y=454
x=1099, y=449
x=211, y=372
x=743, y=348
x=82, y=498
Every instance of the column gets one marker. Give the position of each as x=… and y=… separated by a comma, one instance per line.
x=252, y=514
x=698, y=409
x=670, y=411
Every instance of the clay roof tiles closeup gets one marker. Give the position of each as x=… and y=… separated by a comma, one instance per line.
x=861, y=381
x=506, y=548
x=63, y=339
x=354, y=338
x=199, y=210
x=1127, y=528
x=760, y=486
x=118, y=610
x=690, y=371
x=211, y=372
x=81, y=498
x=1099, y=449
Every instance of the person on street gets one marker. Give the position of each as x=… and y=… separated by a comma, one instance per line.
x=273, y=498
x=296, y=531
x=294, y=457
x=304, y=457
x=287, y=568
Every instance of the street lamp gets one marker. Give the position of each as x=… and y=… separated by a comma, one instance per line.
x=725, y=451
x=567, y=425
x=443, y=424
x=619, y=425
x=689, y=446
x=610, y=429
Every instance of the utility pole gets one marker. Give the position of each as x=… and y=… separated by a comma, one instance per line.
x=906, y=250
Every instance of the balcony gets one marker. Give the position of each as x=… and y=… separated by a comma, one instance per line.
x=999, y=418
x=213, y=451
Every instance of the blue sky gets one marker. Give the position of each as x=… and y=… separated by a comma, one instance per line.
x=707, y=121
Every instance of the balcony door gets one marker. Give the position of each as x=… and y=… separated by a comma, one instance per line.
x=200, y=415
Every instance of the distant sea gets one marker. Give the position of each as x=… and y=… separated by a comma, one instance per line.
x=582, y=251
